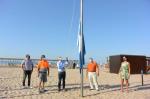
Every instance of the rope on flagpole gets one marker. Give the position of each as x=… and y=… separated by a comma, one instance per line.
x=72, y=18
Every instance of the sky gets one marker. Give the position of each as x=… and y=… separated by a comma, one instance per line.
x=50, y=27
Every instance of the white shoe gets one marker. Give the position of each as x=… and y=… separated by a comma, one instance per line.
x=23, y=87
x=30, y=87
x=97, y=89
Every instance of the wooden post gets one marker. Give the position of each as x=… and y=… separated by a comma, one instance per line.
x=142, y=77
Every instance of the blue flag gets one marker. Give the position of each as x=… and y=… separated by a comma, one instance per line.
x=81, y=46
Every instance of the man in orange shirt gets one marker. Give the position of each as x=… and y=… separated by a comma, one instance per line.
x=92, y=73
x=43, y=72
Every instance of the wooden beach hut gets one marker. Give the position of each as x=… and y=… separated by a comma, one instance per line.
x=137, y=63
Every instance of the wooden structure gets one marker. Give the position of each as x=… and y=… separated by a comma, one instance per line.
x=137, y=63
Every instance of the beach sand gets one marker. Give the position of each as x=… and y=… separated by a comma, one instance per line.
x=11, y=86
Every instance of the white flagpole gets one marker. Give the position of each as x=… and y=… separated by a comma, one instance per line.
x=81, y=16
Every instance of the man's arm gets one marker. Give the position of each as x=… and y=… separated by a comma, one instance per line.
x=32, y=66
x=38, y=71
x=48, y=70
x=87, y=72
x=97, y=69
x=38, y=68
x=22, y=64
x=57, y=65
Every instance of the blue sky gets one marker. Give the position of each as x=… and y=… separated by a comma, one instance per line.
x=50, y=27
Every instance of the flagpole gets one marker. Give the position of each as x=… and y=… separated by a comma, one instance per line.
x=82, y=81
x=81, y=13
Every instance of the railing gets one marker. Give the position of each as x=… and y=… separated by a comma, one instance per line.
x=16, y=62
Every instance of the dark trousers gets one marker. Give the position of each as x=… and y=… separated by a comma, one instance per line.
x=25, y=74
x=61, y=78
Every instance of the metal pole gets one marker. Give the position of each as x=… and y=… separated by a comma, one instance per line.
x=81, y=81
x=81, y=13
x=142, y=76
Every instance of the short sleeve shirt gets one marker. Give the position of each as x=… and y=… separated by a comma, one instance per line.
x=91, y=67
x=27, y=64
x=43, y=64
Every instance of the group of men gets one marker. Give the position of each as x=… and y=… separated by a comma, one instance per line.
x=43, y=69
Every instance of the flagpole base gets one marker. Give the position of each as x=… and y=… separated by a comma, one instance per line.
x=81, y=70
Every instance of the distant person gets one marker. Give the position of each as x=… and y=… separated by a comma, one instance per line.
x=124, y=73
x=43, y=72
x=27, y=66
x=61, y=73
x=92, y=72
x=74, y=65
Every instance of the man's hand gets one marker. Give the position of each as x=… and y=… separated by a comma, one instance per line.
x=97, y=73
x=38, y=74
x=86, y=74
x=47, y=74
x=32, y=70
x=22, y=67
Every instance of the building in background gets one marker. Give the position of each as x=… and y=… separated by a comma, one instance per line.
x=137, y=63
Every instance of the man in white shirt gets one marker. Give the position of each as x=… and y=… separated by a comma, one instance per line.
x=27, y=67
x=61, y=73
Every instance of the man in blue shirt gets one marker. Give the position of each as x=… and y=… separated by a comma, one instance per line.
x=61, y=72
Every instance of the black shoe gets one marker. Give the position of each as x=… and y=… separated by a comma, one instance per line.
x=91, y=89
x=40, y=91
x=59, y=90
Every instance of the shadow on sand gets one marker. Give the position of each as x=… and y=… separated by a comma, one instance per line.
x=74, y=87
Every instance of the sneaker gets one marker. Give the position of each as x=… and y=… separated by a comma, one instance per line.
x=102, y=88
x=91, y=89
x=41, y=91
x=59, y=90
x=23, y=87
x=64, y=89
x=97, y=89
x=30, y=87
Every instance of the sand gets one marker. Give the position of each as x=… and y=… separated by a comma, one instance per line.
x=11, y=86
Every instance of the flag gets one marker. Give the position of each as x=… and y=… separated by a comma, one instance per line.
x=81, y=46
